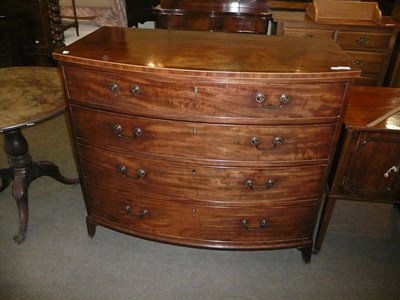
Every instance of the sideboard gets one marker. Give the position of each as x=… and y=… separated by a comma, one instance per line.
x=368, y=158
x=246, y=16
x=205, y=139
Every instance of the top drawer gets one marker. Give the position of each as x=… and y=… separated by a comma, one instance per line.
x=363, y=40
x=310, y=33
x=204, y=100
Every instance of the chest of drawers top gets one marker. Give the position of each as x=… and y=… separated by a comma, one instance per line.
x=207, y=54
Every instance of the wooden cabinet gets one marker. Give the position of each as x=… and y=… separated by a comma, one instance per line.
x=31, y=29
x=248, y=16
x=180, y=145
x=140, y=11
x=368, y=166
x=369, y=45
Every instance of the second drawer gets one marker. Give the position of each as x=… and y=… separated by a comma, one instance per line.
x=185, y=181
x=267, y=145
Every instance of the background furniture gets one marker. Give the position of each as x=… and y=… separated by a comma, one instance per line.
x=140, y=11
x=28, y=95
x=370, y=45
x=368, y=167
x=74, y=23
x=9, y=46
x=28, y=25
x=226, y=151
x=213, y=15
x=100, y=12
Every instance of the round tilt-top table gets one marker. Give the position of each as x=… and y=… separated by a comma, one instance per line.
x=28, y=95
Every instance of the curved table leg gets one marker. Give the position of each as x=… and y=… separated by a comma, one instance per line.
x=20, y=193
x=23, y=171
x=47, y=168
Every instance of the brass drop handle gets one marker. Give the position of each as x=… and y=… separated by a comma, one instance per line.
x=139, y=173
x=363, y=41
x=308, y=35
x=255, y=141
x=114, y=89
x=395, y=169
x=136, y=132
x=144, y=212
x=250, y=184
x=283, y=99
x=358, y=62
x=245, y=225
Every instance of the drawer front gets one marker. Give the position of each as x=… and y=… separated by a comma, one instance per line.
x=240, y=185
x=184, y=22
x=309, y=33
x=217, y=23
x=367, y=80
x=271, y=144
x=205, y=100
x=239, y=24
x=363, y=40
x=368, y=62
x=200, y=225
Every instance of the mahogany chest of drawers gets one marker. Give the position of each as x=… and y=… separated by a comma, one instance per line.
x=369, y=45
x=205, y=139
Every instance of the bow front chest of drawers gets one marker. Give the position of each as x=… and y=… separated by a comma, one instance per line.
x=205, y=139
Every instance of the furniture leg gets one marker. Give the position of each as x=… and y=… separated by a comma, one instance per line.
x=23, y=171
x=306, y=253
x=20, y=193
x=47, y=168
x=91, y=227
x=326, y=215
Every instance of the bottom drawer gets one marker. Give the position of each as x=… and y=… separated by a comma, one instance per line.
x=257, y=227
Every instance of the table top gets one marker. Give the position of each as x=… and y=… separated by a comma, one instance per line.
x=29, y=95
x=214, y=54
x=373, y=107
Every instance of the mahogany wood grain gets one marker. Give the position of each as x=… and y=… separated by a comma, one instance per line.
x=369, y=45
x=226, y=143
x=215, y=226
x=200, y=182
x=205, y=99
x=209, y=55
x=205, y=139
x=369, y=159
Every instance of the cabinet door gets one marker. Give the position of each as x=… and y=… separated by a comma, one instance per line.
x=373, y=165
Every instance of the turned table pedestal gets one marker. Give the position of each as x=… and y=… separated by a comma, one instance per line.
x=28, y=95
